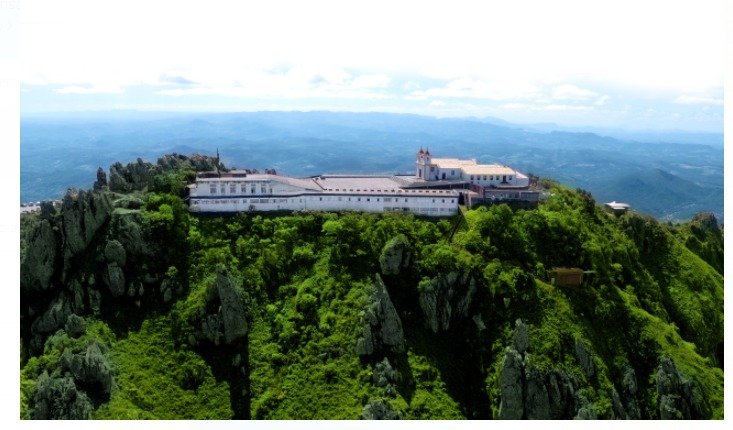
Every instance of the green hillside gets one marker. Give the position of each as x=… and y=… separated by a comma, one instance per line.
x=133, y=308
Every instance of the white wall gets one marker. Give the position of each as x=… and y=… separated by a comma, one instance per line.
x=422, y=205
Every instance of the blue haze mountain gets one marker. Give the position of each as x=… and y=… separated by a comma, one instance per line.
x=673, y=179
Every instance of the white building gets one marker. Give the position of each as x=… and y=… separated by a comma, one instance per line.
x=434, y=191
x=454, y=169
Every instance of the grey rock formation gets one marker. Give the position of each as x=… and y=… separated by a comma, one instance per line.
x=585, y=359
x=58, y=399
x=90, y=369
x=77, y=292
x=82, y=215
x=536, y=397
x=379, y=410
x=101, y=181
x=446, y=298
x=95, y=301
x=619, y=411
x=629, y=393
x=512, y=386
x=128, y=232
x=521, y=336
x=678, y=397
x=114, y=278
x=526, y=392
x=114, y=252
x=396, y=255
x=230, y=322
x=38, y=258
x=232, y=308
x=75, y=325
x=48, y=211
x=385, y=376
x=54, y=318
x=586, y=410
x=382, y=331
x=133, y=176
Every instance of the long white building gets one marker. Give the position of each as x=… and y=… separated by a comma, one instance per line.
x=435, y=189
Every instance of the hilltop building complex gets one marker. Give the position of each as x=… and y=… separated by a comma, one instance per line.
x=437, y=188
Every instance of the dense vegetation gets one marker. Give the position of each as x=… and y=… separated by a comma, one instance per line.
x=131, y=307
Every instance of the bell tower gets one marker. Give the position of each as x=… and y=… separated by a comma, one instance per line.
x=420, y=164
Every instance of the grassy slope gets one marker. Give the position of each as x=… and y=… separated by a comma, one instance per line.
x=151, y=375
x=302, y=342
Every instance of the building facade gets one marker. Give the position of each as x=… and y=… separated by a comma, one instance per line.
x=438, y=187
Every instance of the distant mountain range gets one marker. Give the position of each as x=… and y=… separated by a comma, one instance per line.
x=670, y=175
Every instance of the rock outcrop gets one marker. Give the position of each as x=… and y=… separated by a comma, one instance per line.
x=396, y=255
x=58, y=399
x=379, y=410
x=585, y=359
x=386, y=377
x=678, y=396
x=447, y=298
x=82, y=215
x=528, y=392
x=75, y=326
x=90, y=369
x=50, y=321
x=101, y=182
x=225, y=317
x=37, y=262
x=382, y=332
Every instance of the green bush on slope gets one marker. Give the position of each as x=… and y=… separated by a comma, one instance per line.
x=309, y=278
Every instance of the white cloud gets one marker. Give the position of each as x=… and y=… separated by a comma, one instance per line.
x=478, y=89
x=695, y=100
x=564, y=107
x=127, y=43
x=295, y=83
x=572, y=92
x=79, y=89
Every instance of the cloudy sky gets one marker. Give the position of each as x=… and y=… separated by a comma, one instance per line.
x=632, y=64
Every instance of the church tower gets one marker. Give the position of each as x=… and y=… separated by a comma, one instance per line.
x=423, y=159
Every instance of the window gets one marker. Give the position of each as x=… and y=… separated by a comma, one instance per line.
x=320, y=199
x=492, y=177
x=263, y=189
x=452, y=172
x=358, y=199
x=222, y=188
x=443, y=201
x=233, y=188
x=510, y=177
x=472, y=177
x=212, y=189
x=484, y=177
x=252, y=190
x=387, y=199
x=368, y=199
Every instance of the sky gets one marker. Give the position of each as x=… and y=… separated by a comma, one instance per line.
x=624, y=64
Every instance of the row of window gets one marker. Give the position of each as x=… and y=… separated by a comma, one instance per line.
x=491, y=177
x=327, y=198
x=242, y=187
